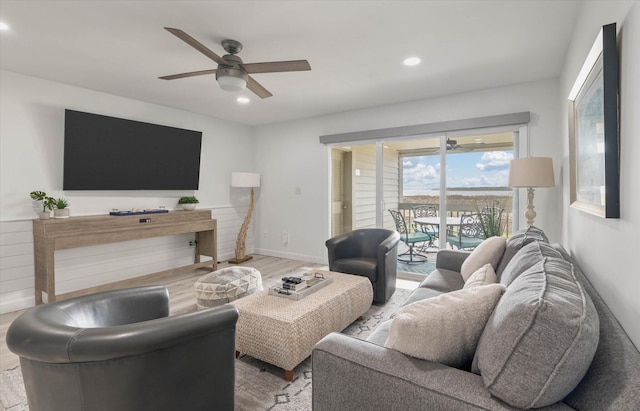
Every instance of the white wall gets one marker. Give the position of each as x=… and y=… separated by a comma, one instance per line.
x=607, y=249
x=31, y=153
x=32, y=136
x=291, y=156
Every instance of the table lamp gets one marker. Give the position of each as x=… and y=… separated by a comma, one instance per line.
x=531, y=172
x=244, y=180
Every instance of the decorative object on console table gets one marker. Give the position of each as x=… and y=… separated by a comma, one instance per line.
x=61, y=209
x=47, y=203
x=244, y=180
x=531, y=172
x=188, y=203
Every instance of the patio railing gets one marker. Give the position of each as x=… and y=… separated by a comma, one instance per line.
x=456, y=210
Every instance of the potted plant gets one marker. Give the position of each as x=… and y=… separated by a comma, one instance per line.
x=46, y=201
x=491, y=220
x=61, y=209
x=188, y=202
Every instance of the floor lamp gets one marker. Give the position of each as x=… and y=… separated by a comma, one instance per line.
x=244, y=180
x=531, y=172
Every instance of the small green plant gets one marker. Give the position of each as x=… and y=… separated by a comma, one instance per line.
x=48, y=203
x=188, y=200
x=61, y=203
x=491, y=220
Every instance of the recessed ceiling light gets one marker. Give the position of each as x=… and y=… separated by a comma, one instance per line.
x=243, y=100
x=4, y=26
x=411, y=61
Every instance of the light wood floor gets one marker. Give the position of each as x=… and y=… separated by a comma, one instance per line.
x=180, y=285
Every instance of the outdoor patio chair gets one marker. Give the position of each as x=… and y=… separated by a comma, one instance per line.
x=469, y=233
x=415, y=240
x=428, y=210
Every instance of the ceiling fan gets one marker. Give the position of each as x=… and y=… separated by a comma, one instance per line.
x=232, y=73
x=453, y=145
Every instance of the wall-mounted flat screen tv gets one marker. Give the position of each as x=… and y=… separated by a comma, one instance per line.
x=108, y=153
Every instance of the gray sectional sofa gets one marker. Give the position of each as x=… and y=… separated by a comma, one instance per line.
x=550, y=342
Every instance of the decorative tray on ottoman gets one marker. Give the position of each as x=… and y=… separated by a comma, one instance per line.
x=313, y=280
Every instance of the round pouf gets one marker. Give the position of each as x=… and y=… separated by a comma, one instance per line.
x=228, y=284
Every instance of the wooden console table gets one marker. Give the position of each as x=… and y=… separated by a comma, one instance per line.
x=74, y=232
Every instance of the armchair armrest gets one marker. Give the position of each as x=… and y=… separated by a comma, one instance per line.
x=393, y=381
x=451, y=259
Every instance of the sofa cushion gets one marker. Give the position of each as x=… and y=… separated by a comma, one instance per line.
x=445, y=328
x=488, y=252
x=526, y=258
x=519, y=239
x=483, y=276
x=540, y=339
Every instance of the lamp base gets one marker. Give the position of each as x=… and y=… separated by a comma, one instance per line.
x=241, y=260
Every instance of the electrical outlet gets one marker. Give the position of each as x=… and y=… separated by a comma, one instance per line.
x=285, y=238
x=192, y=243
x=265, y=234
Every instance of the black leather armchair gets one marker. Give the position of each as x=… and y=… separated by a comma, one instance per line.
x=370, y=252
x=119, y=350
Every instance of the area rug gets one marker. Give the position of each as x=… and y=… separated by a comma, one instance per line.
x=259, y=386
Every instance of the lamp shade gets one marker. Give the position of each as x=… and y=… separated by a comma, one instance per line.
x=531, y=172
x=245, y=180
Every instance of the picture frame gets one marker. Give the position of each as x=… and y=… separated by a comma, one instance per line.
x=593, y=130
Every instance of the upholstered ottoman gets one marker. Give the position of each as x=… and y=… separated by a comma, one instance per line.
x=225, y=285
x=283, y=332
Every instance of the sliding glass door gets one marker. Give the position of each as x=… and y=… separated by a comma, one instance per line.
x=455, y=174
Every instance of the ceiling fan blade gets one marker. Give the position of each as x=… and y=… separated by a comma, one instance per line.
x=277, y=66
x=257, y=88
x=196, y=45
x=189, y=74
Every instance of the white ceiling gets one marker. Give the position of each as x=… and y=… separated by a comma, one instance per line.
x=355, y=49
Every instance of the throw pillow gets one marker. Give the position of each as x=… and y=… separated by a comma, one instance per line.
x=483, y=276
x=518, y=240
x=446, y=328
x=488, y=252
x=527, y=257
x=540, y=340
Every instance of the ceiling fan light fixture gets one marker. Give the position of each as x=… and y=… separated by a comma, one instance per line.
x=411, y=61
x=231, y=79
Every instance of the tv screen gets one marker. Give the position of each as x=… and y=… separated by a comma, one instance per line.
x=108, y=153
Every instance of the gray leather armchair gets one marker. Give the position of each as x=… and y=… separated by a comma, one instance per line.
x=119, y=350
x=370, y=252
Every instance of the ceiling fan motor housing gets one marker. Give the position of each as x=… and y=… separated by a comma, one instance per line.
x=233, y=69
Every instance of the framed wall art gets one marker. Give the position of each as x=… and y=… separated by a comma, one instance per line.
x=593, y=130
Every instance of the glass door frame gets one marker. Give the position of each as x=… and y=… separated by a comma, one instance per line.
x=521, y=149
